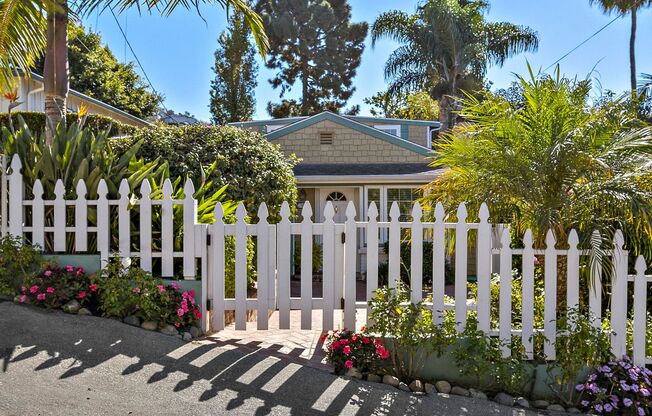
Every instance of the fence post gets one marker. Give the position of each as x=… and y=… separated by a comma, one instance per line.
x=3, y=196
x=461, y=247
x=189, y=221
x=394, y=255
x=528, y=294
x=16, y=192
x=595, y=289
x=306, y=266
x=483, y=268
x=81, y=218
x=572, y=272
x=262, y=258
x=640, y=313
x=240, y=268
x=167, y=230
x=124, y=221
x=550, y=301
x=145, y=205
x=218, y=269
x=329, y=266
x=438, y=265
x=59, y=217
x=103, y=228
x=284, y=237
x=372, y=254
x=350, y=256
x=505, y=310
x=38, y=215
x=619, y=297
x=416, y=255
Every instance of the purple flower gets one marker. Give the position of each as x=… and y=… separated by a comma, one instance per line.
x=598, y=408
x=608, y=407
x=579, y=387
x=641, y=411
x=645, y=392
x=627, y=402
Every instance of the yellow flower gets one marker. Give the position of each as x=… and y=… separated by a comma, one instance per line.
x=83, y=110
x=12, y=96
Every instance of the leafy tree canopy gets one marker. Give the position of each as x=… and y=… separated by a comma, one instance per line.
x=413, y=106
x=96, y=72
x=315, y=44
x=232, y=90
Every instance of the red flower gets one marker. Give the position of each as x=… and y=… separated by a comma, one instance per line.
x=346, y=350
x=366, y=340
x=81, y=295
x=335, y=345
x=354, y=338
x=93, y=287
x=348, y=363
x=197, y=313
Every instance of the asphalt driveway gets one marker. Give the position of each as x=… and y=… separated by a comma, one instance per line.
x=57, y=364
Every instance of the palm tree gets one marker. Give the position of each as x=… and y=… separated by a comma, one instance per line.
x=551, y=162
x=27, y=26
x=623, y=7
x=447, y=47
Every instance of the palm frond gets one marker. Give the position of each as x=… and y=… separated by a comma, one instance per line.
x=506, y=39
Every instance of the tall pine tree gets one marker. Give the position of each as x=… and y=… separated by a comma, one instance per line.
x=312, y=42
x=232, y=90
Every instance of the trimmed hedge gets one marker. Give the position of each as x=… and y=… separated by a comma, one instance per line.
x=254, y=169
x=96, y=122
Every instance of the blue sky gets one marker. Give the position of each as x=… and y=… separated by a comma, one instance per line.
x=177, y=52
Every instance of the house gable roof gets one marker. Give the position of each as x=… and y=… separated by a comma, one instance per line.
x=97, y=102
x=347, y=122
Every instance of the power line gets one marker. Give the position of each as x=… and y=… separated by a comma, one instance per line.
x=582, y=43
x=136, y=57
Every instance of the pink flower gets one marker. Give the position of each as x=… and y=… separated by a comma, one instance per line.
x=197, y=313
x=175, y=285
x=70, y=269
x=23, y=289
x=50, y=289
x=33, y=289
x=92, y=287
x=80, y=271
x=335, y=345
x=81, y=295
x=180, y=312
x=136, y=290
x=161, y=288
x=47, y=273
x=348, y=363
x=40, y=296
x=346, y=350
x=23, y=299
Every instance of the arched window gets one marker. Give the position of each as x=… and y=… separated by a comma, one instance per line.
x=336, y=197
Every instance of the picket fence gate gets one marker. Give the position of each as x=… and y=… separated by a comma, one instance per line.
x=204, y=254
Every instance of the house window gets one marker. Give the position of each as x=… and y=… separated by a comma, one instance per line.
x=271, y=127
x=325, y=138
x=393, y=129
x=373, y=195
x=336, y=197
x=405, y=198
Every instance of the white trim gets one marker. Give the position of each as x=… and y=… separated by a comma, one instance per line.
x=272, y=127
x=413, y=178
x=385, y=127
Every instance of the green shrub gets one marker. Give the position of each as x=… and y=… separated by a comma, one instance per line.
x=254, y=169
x=95, y=122
x=17, y=261
x=406, y=264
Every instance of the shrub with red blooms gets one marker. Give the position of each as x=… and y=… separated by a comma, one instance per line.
x=54, y=286
x=347, y=349
x=617, y=388
x=183, y=311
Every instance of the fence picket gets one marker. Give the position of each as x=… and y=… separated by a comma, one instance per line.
x=3, y=195
x=145, y=205
x=350, y=257
x=640, y=313
x=483, y=268
x=240, y=268
x=218, y=270
x=103, y=227
x=573, y=272
x=81, y=218
x=306, y=266
x=329, y=266
x=528, y=294
x=619, y=297
x=394, y=259
x=438, y=264
x=38, y=215
x=124, y=222
x=372, y=254
x=505, y=310
x=416, y=255
x=595, y=289
x=262, y=254
x=550, y=302
x=167, y=230
x=189, y=221
x=461, y=247
x=15, y=193
x=59, y=217
x=284, y=238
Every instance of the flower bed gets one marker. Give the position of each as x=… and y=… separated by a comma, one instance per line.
x=347, y=349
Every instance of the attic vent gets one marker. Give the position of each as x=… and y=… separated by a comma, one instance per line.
x=326, y=138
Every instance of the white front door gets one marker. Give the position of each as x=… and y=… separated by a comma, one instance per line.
x=340, y=200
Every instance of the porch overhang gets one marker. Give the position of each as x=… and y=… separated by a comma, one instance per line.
x=412, y=178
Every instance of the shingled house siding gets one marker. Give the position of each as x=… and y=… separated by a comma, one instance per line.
x=418, y=135
x=349, y=146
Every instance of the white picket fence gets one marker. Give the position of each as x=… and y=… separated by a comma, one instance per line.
x=204, y=254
